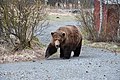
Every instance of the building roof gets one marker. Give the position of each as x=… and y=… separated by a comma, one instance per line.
x=111, y=1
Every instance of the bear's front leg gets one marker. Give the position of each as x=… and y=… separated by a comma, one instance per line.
x=61, y=53
x=51, y=49
x=67, y=53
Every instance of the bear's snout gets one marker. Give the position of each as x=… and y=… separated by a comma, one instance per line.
x=57, y=44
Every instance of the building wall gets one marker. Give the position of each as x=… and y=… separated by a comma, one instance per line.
x=97, y=14
x=110, y=22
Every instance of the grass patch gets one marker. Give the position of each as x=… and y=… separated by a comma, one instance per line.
x=36, y=42
x=60, y=18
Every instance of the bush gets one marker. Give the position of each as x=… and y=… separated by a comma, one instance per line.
x=19, y=20
x=87, y=24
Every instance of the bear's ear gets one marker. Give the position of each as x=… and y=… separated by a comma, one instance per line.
x=52, y=33
x=63, y=33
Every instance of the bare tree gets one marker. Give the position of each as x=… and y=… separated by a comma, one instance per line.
x=86, y=18
x=20, y=19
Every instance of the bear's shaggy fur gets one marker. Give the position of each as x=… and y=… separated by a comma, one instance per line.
x=68, y=39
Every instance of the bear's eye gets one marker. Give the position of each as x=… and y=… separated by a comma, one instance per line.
x=57, y=39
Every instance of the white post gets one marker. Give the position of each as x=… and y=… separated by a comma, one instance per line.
x=101, y=17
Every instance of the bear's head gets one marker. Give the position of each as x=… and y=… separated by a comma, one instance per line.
x=58, y=38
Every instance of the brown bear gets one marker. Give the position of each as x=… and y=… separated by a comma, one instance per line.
x=68, y=39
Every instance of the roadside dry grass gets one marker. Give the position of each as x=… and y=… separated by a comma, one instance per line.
x=37, y=53
x=111, y=46
x=7, y=55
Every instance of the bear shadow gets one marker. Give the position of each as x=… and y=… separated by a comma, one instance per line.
x=87, y=56
x=80, y=57
x=55, y=58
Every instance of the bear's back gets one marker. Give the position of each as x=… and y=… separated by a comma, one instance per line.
x=73, y=35
x=70, y=30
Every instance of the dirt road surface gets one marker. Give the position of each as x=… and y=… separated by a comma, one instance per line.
x=93, y=64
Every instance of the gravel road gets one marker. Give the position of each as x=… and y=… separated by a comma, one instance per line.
x=93, y=64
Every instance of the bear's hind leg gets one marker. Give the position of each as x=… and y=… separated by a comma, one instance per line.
x=77, y=50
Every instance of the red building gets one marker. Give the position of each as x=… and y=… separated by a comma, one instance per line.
x=110, y=18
